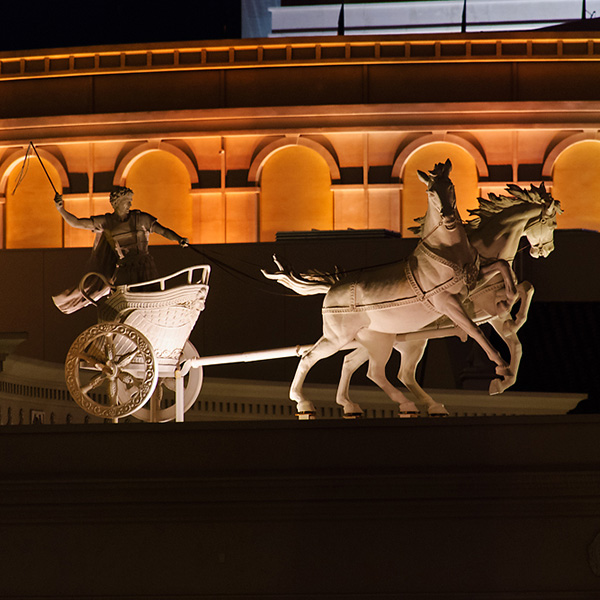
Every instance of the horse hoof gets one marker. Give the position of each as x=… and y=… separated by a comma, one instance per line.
x=305, y=406
x=408, y=415
x=496, y=387
x=438, y=411
x=352, y=411
x=308, y=415
x=408, y=409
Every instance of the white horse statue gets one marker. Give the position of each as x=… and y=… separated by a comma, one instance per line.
x=375, y=305
x=499, y=224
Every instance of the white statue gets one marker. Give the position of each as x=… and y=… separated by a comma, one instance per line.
x=375, y=305
x=133, y=356
x=120, y=250
x=501, y=221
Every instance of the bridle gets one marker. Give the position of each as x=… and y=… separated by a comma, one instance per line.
x=541, y=220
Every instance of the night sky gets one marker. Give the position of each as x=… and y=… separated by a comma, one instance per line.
x=29, y=26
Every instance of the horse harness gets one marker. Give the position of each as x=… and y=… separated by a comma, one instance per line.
x=465, y=274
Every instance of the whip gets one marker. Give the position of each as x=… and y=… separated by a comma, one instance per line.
x=26, y=164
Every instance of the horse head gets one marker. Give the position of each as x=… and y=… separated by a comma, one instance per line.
x=440, y=193
x=540, y=230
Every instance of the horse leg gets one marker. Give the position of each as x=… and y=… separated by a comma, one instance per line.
x=525, y=292
x=452, y=307
x=379, y=346
x=323, y=348
x=502, y=267
x=412, y=353
x=507, y=330
x=352, y=361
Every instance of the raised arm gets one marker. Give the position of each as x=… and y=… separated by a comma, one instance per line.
x=169, y=234
x=70, y=218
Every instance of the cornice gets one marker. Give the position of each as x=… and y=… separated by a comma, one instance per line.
x=418, y=117
x=310, y=51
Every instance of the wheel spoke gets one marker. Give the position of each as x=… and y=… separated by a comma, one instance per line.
x=125, y=359
x=94, y=383
x=113, y=392
x=90, y=360
x=110, y=346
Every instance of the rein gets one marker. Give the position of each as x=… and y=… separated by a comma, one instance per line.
x=441, y=222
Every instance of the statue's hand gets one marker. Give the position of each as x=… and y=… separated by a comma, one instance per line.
x=58, y=200
x=184, y=242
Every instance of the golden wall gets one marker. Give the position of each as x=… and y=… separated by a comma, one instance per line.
x=295, y=193
x=233, y=142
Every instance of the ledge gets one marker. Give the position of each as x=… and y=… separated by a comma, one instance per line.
x=292, y=51
x=501, y=507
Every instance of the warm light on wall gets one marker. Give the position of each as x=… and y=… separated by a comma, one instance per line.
x=576, y=183
x=32, y=220
x=161, y=187
x=295, y=193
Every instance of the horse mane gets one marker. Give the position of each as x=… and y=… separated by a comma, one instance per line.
x=494, y=204
x=517, y=195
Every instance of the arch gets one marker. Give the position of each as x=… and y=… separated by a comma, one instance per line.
x=127, y=162
x=258, y=162
x=31, y=219
x=399, y=165
x=15, y=160
x=576, y=183
x=295, y=193
x=424, y=157
x=162, y=187
x=548, y=166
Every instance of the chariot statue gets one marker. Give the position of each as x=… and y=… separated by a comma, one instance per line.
x=134, y=353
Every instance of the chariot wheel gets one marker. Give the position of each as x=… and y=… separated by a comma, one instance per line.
x=164, y=395
x=111, y=370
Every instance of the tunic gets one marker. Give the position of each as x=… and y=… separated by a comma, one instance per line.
x=120, y=253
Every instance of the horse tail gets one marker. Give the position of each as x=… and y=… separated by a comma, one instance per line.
x=305, y=284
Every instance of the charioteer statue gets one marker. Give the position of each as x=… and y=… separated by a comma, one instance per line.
x=120, y=252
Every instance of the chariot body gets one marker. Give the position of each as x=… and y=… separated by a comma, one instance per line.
x=129, y=363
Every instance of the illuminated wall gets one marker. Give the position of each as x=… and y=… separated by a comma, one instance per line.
x=293, y=189
x=31, y=219
x=295, y=193
x=230, y=142
x=576, y=178
x=161, y=186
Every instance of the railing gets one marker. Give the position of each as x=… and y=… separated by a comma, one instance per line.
x=267, y=53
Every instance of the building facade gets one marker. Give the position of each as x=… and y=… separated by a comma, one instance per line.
x=234, y=142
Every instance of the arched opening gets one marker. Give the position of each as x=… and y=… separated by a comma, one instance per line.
x=576, y=183
x=32, y=220
x=161, y=186
x=463, y=175
x=295, y=193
